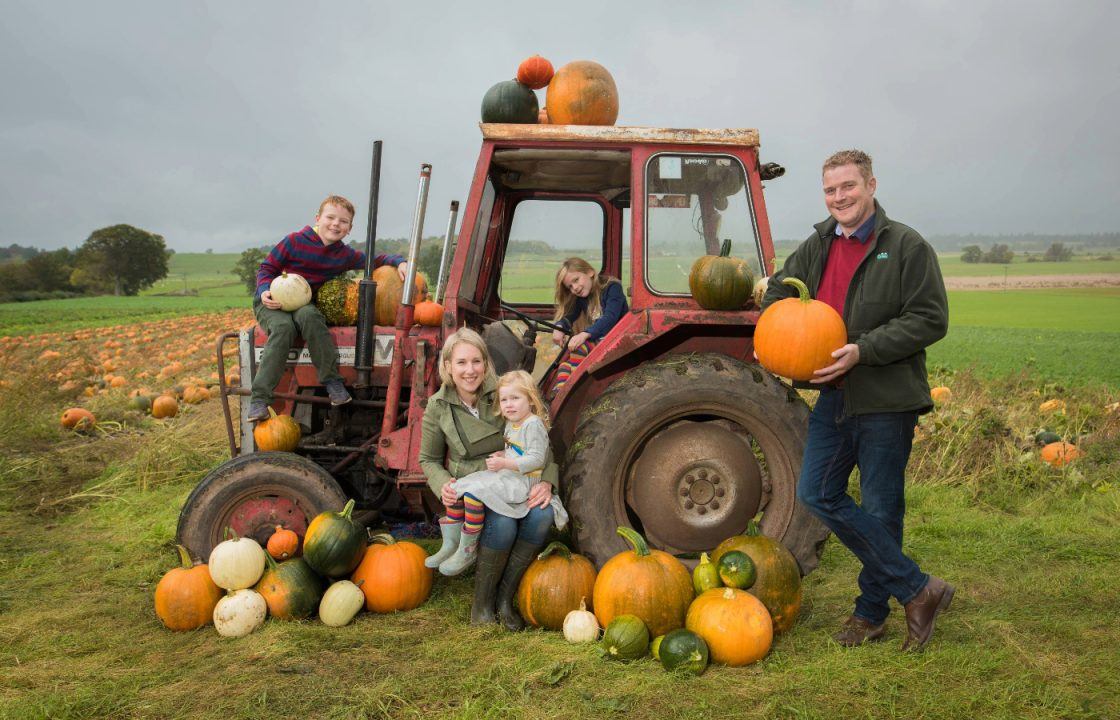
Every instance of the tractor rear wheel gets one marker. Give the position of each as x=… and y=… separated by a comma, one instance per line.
x=687, y=450
x=253, y=494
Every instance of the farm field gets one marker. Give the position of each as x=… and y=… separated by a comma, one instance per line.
x=87, y=525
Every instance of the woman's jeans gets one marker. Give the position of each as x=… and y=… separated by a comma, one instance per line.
x=500, y=531
x=879, y=444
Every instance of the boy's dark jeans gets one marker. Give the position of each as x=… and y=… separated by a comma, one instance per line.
x=283, y=328
x=879, y=444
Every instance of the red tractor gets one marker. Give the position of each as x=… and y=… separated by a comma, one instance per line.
x=669, y=426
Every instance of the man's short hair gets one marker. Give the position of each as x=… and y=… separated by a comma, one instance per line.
x=850, y=157
x=339, y=201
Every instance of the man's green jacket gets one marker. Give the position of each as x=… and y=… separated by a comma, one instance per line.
x=895, y=307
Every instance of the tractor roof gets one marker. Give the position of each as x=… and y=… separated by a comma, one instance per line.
x=615, y=134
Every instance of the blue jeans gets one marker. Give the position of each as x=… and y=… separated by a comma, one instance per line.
x=879, y=444
x=500, y=531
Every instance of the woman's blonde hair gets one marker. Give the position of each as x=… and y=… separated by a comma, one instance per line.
x=566, y=301
x=460, y=336
x=523, y=381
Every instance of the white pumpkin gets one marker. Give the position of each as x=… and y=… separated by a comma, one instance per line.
x=240, y=613
x=291, y=291
x=760, y=290
x=340, y=603
x=580, y=626
x=236, y=564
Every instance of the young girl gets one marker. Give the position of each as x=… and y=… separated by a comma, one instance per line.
x=505, y=484
x=588, y=304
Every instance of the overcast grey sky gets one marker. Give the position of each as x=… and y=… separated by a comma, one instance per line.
x=222, y=124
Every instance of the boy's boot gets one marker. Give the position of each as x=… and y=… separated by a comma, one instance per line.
x=258, y=410
x=520, y=557
x=464, y=557
x=487, y=575
x=337, y=392
x=450, y=532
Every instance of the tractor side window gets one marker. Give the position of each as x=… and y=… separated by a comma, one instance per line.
x=693, y=203
x=542, y=235
x=478, y=242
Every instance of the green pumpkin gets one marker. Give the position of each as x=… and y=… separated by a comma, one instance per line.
x=721, y=282
x=626, y=638
x=291, y=589
x=510, y=102
x=338, y=301
x=705, y=576
x=684, y=650
x=736, y=570
x=140, y=403
x=1046, y=437
x=334, y=544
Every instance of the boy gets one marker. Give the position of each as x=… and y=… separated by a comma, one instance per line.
x=318, y=254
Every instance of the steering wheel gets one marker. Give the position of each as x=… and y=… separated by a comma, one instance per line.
x=533, y=321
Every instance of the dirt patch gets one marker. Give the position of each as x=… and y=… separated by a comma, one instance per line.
x=1023, y=282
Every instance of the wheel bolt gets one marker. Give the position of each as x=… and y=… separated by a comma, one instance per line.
x=703, y=474
x=702, y=510
x=715, y=479
x=719, y=492
x=689, y=479
x=688, y=505
x=715, y=505
x=684, y=492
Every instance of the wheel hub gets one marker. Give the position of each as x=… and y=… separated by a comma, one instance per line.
x=257, y=518
x=694, y=485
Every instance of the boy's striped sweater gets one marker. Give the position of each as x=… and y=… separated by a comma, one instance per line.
x=304, y=253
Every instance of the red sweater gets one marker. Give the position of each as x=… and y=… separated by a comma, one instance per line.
x=844, y=256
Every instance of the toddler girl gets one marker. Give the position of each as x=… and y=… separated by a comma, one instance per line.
x=588, y=304
x=509, y=476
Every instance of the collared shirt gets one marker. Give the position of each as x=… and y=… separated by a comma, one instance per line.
x=863, y=232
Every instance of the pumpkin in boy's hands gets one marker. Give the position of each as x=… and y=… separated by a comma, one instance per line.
x=291, y=291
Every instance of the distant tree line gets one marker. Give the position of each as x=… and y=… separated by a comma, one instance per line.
x=1002, y=254
x=115, y=260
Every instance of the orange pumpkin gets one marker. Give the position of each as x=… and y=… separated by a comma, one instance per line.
x=534, y=72
x=797, y=336
x=165, y=406
x=734, y=623
x=390, y=289
x=556, y=583
x=582, y=93
x=278, y=432
x=1057, y=454
x=941, y=395
x=651, y=584
x=283, y=543
x=429, y=313
x=778, y=582
x=195, y=394
x=78, y=419
x=394, y=575
x=186, y=596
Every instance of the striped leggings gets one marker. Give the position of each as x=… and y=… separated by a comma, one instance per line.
x=470, y=511
x=575, y=357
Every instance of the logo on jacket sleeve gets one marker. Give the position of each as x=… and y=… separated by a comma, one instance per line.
x=881, y=256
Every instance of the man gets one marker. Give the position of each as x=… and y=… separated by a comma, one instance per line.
x=884, y=280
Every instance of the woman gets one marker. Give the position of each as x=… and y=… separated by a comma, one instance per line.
x=460, y=430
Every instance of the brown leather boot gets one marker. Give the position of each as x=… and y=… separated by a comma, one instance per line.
x=921, y=612
x=857, y=631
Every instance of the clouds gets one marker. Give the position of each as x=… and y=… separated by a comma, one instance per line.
x=222, y=125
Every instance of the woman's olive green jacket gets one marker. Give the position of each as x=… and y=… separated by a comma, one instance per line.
x=454, y=443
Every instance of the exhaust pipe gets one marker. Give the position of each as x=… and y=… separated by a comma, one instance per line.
x=367, y=288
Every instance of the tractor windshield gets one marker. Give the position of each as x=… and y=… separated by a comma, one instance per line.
x=694, y=202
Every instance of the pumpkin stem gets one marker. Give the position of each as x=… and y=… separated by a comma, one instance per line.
x=641, y=548
x=556, y=547
x=230, y=534
x=725, y=248
x=348, y=509
x=728, y=594
x=802, y=290
x=583, y=603
x=385, y=538
x=360, y=583
x=185, y=557
x=752, y=529
x=271, y=413
x=270, y=561
x=704, y=559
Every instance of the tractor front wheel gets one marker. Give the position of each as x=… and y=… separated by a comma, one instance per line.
x=687, y=450
x=254, y=493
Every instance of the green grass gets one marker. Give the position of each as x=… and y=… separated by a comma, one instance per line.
x=43, y=316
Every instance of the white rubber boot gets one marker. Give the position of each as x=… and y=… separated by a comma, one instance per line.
x=464, y=557
x=450, y=532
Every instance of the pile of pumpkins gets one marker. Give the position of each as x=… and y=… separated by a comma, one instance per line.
x=579, y=93
x=337, y=299
x=242, y=583
x=727, y=611
x=1053, y=450
x=161, y=406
